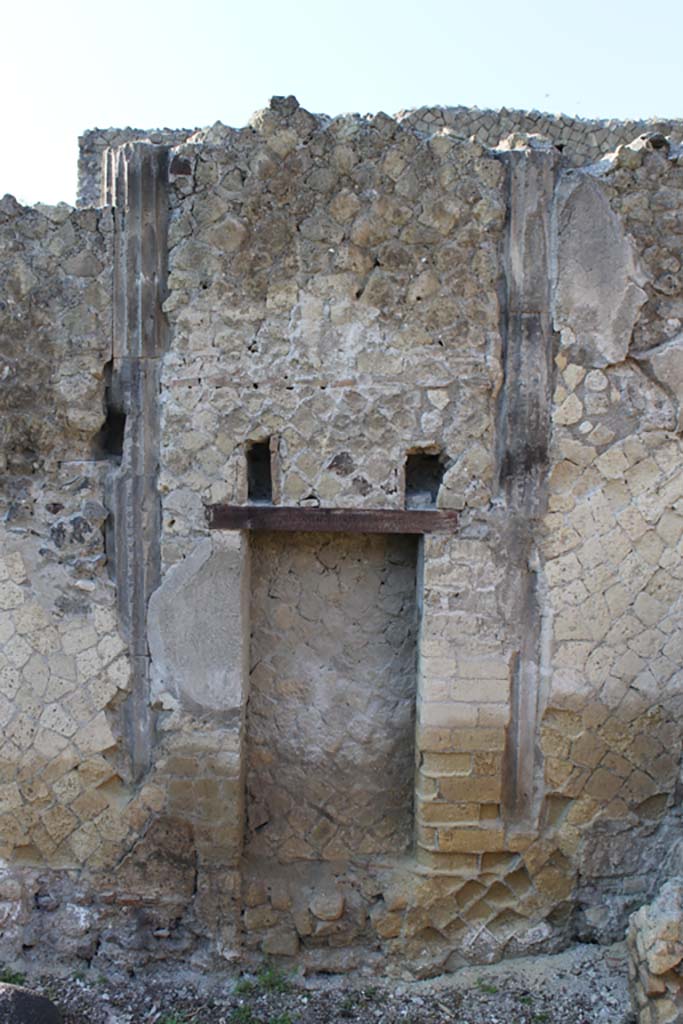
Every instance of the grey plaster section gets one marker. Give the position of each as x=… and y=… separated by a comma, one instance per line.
x=197, y=628
x=598, y=293
x=665, y=363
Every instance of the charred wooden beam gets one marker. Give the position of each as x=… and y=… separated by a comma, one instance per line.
x=292, y=519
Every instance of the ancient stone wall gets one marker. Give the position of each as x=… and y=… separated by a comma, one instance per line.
x=655, y=944
x=92, y=149
x=209, y=748
x=611, y=536
x=582, y=140
x=66, y=802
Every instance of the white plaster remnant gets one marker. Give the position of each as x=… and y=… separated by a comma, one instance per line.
x=196, y=620
x=598, y=293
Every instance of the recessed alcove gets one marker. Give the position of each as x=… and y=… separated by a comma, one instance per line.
x=330, y=717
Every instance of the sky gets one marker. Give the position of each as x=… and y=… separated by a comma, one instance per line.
x=69, y=65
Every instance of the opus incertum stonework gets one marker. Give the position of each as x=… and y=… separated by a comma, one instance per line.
x=342, y=519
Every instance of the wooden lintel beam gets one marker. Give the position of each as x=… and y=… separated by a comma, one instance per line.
x=293, y=519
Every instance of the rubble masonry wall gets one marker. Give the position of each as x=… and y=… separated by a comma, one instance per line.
x=348, y=291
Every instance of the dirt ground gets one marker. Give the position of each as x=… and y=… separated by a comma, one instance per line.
x=584, y=985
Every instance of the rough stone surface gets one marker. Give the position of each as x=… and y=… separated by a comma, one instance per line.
x=655, y=944
x=55, y=281
x=331, y=725
x=665, y=363
x=20, y=1006
x=582, y=140
x=233, y=771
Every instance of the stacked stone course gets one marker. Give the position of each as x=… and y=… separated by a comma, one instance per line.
x=655, y=942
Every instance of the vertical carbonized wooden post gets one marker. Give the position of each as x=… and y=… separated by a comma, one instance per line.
x=135, y=186
x=523, y=437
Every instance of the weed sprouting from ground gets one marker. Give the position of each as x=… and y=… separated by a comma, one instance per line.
x=268, y=979
x=10, y=977
x=243, y=1015
x=271, y=979
x=245, y=987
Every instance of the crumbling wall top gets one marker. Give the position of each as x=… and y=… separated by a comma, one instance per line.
x=582, y=141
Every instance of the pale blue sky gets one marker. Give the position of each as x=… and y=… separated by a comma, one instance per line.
x=75, y=64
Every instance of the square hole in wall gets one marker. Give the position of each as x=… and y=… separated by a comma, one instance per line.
x=259, y=473
x=331, y=712
x=423, y=475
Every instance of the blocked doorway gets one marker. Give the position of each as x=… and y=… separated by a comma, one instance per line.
x=331, y=711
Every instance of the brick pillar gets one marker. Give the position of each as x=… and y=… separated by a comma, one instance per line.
x=480, y=676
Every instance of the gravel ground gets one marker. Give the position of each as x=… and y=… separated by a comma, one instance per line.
x=584, y=985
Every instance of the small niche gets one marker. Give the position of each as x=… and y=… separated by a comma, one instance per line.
x=108, y=444
x=259, y=473
x=424, y=473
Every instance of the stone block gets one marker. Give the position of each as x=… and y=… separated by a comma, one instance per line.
x=483, y=667
x=490, y=690
x=460, y=864
x=665, y=1011
x=19, y=1005
x=438, y=765
x=477, y=739
x=493, y=716
x=471, y=788
x=254, y=894
x=257, y=918
x=282, y=941
x=433, y=739
x=426, y=837
x=554, y=883
x=446, y=715
x=386, y=923
x=441, y=811
x=603, y=785
x=426, y=787
x=327, y=906
x=487, y=764
x=471, y=840
x=652, y=984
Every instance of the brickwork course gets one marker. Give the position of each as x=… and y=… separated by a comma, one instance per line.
x=348, y=750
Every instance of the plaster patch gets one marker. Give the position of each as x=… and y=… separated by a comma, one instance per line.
x=598, y=293
x=666, y=365
x=195, y=623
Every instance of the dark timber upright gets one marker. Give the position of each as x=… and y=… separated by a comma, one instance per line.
x=135, y=187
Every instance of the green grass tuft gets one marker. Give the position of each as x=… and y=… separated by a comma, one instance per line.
x=10, y=977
